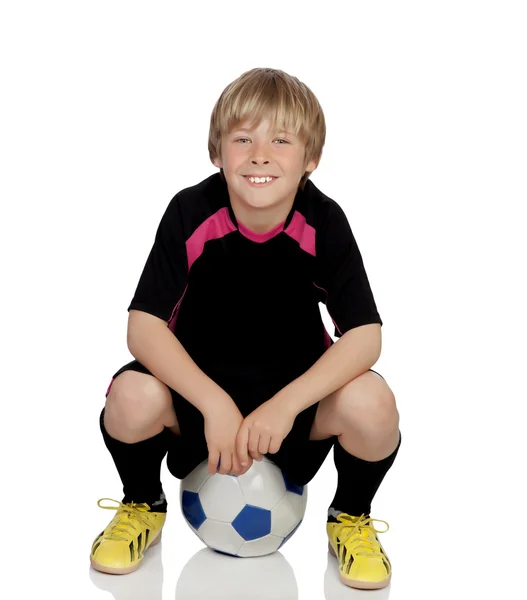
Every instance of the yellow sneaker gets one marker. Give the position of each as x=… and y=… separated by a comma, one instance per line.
x=120, y=548
x=363, y=563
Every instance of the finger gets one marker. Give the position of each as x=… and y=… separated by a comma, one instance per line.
x=242, y=440
x=214, y=457
x=236, y=467
x=254, y=439
x=263, y=444
x=226, y=462
x=249, y=465
x=274, y=445
x=236, y=461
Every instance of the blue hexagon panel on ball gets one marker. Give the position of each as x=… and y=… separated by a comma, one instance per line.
x=251, y=515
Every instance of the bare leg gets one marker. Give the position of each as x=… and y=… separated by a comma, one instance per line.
x=138, y=407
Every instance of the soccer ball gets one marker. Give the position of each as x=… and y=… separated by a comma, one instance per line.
x=251, y=515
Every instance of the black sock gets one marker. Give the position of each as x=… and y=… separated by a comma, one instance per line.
x=358, y=482
x=139, y=467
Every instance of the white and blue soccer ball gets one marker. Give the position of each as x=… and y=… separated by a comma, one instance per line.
x=251, y=515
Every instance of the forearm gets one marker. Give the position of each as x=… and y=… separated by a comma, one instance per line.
x=157, y=348
x=352, y=355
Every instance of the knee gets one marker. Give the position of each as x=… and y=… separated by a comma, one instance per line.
x=136, y=399
x=376, y=410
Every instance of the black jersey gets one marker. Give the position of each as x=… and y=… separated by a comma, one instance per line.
x=247, y=304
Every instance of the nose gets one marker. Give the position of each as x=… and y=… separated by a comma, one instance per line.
x=259, y=155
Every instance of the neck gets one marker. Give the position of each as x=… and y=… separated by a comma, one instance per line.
x=261, y=221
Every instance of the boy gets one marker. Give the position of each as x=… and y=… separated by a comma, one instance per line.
x=232, y=357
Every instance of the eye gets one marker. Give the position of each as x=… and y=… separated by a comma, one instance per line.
x=278, y=139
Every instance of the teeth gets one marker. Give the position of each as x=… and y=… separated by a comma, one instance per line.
x=260, y=179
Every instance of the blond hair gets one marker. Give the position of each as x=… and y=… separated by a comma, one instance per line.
x=270, y=93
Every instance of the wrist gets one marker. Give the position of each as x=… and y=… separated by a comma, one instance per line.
x=287, y=403
x=217, y=403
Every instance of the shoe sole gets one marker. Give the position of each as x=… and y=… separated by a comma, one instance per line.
x=124, y=570
x=361, y=585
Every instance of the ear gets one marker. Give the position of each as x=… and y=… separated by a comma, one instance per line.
x=311, y=166
x=217, y=163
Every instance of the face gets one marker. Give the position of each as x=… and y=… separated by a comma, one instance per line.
x=260, y=152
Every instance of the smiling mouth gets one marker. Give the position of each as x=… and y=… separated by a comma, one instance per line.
x=264, y=184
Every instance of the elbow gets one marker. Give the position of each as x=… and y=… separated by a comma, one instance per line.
x=372, y=341
x=376, y=340
x=131, y=340
x=365, y=340
x=377, y=343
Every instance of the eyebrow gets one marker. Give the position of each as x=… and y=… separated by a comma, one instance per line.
x=251, y=130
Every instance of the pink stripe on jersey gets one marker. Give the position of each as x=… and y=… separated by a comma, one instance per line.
x=215, y=227
x=260, y=237
x=175, y=311
x=303, y=233
x=109, y=387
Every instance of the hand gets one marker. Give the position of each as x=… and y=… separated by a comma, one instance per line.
x=264, y=429
x=222, y=423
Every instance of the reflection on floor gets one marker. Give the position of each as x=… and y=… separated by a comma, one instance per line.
x=213, y=576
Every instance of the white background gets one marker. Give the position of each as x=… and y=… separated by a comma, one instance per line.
x=105, y=110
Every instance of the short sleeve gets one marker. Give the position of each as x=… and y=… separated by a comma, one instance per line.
x=164, y=277
x=341, y=274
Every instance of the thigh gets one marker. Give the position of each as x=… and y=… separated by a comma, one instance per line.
x=137, y=367
x=299, y=457
x=146, y=384
x=327, y=419
x=188, y=449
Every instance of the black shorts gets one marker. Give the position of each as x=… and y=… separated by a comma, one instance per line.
x=298, y=457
